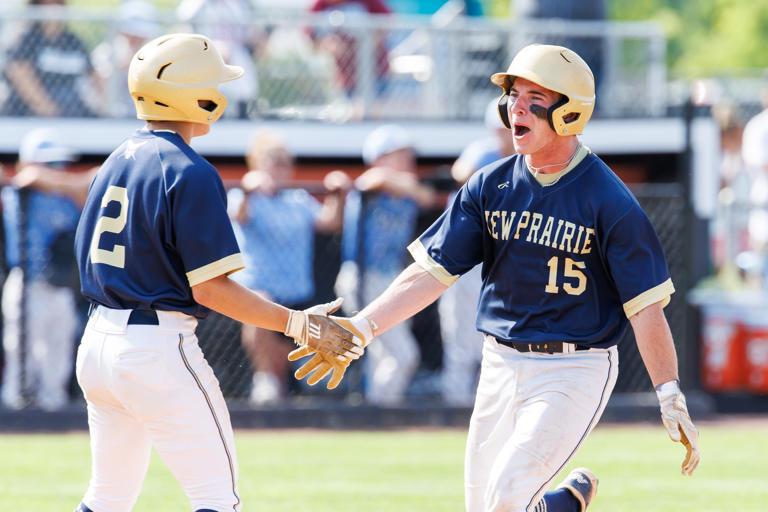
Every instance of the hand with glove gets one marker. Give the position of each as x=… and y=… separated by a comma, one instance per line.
x=677, y=421
x=322, y=363
x=312, y=329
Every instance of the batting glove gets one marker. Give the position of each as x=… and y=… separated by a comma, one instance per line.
x=677, y=421
x=313, y=329
x=321, y=364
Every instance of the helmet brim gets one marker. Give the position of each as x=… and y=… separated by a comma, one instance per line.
x=231, y=73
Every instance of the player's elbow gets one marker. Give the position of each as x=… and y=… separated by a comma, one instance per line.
x=207, y=292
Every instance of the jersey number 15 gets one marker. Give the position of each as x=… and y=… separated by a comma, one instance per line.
x=115, y=257
x=572, y=270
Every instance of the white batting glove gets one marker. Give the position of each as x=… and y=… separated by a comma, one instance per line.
x=314, y=329
x=321, y=364
x=363, y=329
x=677, y=421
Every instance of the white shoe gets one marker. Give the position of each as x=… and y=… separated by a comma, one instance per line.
x=52, y=402
x=266, y=389
x=13, y=402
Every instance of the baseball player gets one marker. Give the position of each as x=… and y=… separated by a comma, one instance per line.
x=154, y=248
x=569, y=260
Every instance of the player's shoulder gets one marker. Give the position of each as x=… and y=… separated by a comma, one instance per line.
x=498, y=171
x=604, y=190
x=175, y=155
x=598, y=177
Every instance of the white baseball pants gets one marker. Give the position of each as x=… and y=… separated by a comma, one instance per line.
x=462, y=343
x=393, y=358
x=532, y=413
x=50, y=325
x=149, y=385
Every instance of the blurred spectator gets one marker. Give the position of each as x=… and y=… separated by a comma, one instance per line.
x=589, y=48
x=467, y=7
x=275, y=225
x=481, y=152
x=729, y=233
x=754, y=151
x=343, y=44
x=136, y=24
x=38, y=303
x=462, y=343
x=45, y=70
x=228, y=23
x=379, y=222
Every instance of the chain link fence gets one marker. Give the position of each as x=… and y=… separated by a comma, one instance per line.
x=331, y=66
x=664, y=204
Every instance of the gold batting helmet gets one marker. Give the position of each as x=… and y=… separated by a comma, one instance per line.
x=175, y=78
x=558, y=69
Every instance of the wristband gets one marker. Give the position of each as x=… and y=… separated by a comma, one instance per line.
x=365, y=326
x=667, y=389
x=295, y=326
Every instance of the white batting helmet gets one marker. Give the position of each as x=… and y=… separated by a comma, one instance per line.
x=175, y=78
x=558, y=69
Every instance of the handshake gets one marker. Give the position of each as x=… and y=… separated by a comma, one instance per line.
x=334, y=341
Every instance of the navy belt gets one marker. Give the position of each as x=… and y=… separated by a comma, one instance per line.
x=552, y=347
x=143, y=317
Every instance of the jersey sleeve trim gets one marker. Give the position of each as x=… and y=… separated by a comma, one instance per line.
x=660, y=293
x=422, y=257
x=227, y=265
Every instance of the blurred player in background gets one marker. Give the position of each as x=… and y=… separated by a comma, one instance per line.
x=136, y=24
x=38, y=304
x=462, y=344
x=275, y=225
x=569, y=261
x=155, y=248
x=379, y=220
x=45, y=69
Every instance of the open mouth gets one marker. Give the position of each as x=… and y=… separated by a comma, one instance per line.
x=521, y=130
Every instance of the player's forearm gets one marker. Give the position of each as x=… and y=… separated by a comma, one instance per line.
x=229, y=298
x=654, y=341
x=331, y=216
x=413, y=290
x=29, y=88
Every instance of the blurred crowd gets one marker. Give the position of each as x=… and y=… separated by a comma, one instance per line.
x=738, y=238
x=57, y=63
x=346, y=236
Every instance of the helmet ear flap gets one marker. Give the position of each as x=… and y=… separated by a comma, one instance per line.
x=503, y=111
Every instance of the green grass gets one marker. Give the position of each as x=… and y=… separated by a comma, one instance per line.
x=410, y=470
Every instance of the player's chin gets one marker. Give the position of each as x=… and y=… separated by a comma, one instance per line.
x=522, y=147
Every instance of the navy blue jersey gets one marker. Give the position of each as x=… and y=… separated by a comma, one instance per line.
x=571, y=261
x=155, y=224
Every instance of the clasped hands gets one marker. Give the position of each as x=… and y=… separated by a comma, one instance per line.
x=332, y=341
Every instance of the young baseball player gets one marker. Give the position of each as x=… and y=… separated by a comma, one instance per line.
x=569, y=260
x=154, y=248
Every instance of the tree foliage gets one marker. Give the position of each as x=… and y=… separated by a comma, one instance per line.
x=705, y=37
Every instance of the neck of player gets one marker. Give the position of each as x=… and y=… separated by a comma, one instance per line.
x=553, y=157
x=185, y=129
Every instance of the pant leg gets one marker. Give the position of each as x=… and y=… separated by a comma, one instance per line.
x=12, y=332
x=551, y=403
x=462, y=343
x=120, y=446
x=51, y=328
x=393, y=358
x=190, y=428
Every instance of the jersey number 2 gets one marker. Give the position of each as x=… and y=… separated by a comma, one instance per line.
x=572, y=269
x=115, y=257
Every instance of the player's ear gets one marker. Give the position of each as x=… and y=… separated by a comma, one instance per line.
x=503, y=110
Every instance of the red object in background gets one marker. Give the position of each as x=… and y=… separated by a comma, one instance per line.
x=756, y=357
x=723, y=337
